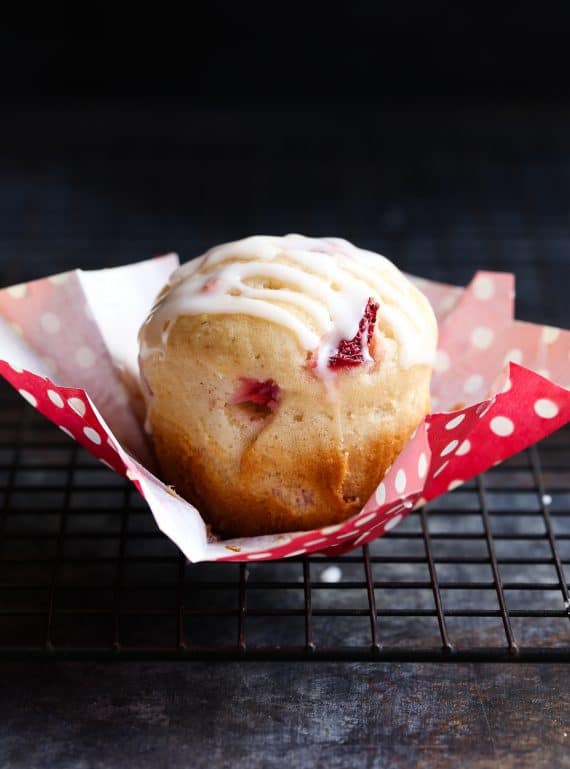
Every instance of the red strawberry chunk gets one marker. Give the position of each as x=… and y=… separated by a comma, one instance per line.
x=350, y=352
x=265, y=393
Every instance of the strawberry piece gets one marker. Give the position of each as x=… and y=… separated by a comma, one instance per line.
x=350, y=352
x=265, y=393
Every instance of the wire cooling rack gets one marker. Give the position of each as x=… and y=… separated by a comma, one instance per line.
x=477, y=575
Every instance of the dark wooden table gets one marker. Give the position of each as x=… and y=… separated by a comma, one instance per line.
x=278, y=714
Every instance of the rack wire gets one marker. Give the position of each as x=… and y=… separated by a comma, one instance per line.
x=480, y=574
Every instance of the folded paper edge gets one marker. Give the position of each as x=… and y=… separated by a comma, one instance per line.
x=195, y=553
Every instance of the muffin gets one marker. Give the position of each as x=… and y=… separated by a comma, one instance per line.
x=282, y=377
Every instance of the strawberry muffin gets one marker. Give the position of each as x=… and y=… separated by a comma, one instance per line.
x=282, y=377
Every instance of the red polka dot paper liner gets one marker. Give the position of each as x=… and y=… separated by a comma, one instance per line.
x=72, y=410
x=77, y=329
x=499, y=386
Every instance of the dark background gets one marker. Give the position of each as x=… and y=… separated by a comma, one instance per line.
x=437, y=133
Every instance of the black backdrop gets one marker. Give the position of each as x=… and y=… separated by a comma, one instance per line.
x=434, y=132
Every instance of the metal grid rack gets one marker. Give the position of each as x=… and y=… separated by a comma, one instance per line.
x=477, y=575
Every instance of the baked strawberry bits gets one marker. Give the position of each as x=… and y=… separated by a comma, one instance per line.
x=286, y=374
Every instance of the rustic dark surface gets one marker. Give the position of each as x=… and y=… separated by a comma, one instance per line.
x=72, y=715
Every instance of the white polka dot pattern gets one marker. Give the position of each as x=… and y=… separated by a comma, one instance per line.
x=545, y=408
x=447, y=303
x=85, y=357
x=50, y=323
x=381, y=494
x=17, y=292
x=464, y=448
x=55, y=398
x=29, y=397
x=331, y=529
x=365, y=519
x=455, y=422
x=442, y=361
x=78, y=406
x=57, y=280
x=441, y=468
x=473, y=383
x=451, y=446
x=400, y=482
x=345, y=534
x=502, y=426
x=550, y=334
x=482, y=337
x=483, y=288
x=422, y=465
x=515, y=355
x=92, y=434
x=393, y=522
x=442, y=454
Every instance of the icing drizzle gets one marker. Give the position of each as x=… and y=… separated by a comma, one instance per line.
x=318, y=288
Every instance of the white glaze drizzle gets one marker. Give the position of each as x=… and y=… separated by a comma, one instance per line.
x=324, y=286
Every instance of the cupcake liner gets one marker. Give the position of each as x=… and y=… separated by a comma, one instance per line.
x=68, y=344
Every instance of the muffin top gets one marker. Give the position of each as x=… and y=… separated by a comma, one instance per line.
x=339, y=301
